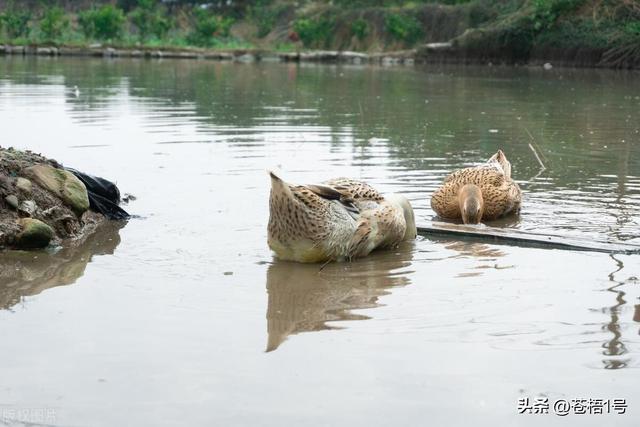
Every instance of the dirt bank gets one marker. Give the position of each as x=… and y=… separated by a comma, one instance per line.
x=41, y=203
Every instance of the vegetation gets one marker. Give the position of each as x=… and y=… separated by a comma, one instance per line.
x=54, y=24
x=513, y=30
x=150, y=19
x=314, y=32
x=104, y=23
x=403, y=27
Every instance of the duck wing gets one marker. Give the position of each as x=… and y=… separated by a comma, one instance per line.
x=354, y=189
x=331, y=193
x=480, y=176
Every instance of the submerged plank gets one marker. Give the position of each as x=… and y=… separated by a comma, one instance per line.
x=524, y=238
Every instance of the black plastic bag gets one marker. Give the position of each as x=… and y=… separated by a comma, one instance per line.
x=104, y=195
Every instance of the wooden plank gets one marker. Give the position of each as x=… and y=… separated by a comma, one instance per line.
x=523, y=238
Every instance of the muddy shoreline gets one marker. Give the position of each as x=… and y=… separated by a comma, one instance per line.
x=433, y=53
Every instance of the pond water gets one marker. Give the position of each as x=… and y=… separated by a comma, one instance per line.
x=183, y=317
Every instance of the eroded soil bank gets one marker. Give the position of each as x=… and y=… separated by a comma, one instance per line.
x=41, y=203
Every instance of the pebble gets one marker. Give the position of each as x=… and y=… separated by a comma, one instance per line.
x=24, y=185
x=28, y=207
x=12, y=200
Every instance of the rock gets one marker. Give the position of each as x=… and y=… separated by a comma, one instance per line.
x=220, y=56
x=434, y=47
x=35, y=234
x=247, y=57
x=388, y=60
x=24, y=185
x=27, y=207
x=61, y=183
x=353, y=57
x=12, y=201
x=289, y=56
x=109, y=52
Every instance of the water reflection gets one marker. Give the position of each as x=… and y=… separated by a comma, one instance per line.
x=27, y=273
x=305, y=297
x=615, y=347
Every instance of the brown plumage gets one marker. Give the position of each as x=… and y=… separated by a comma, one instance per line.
x=485, y=192
x=339, y=219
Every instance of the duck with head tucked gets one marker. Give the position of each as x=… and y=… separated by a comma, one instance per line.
x=338, y=220
x=481, y=193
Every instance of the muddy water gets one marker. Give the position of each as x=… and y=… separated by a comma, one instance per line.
x=183, y=318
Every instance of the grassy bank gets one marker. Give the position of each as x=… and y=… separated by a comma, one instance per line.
x=584, y=32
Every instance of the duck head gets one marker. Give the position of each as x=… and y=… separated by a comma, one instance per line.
x=471, y=204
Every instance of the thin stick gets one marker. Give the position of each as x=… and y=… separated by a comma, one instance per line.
x=535, y=153
x=324, y=265
x=533, y=141
x=537, y=157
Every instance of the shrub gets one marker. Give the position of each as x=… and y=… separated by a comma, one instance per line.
x=403, y=27
x=149, y=20
x=265, y=15
x=546, y=12
x=313, y=32
x=208, y=27
x=54, y=23
x=360, y=28
x=104, y=23
x=16, y=23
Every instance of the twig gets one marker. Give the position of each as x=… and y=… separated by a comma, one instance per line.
x=535, y=153
x=537, y=157
x=324, y=265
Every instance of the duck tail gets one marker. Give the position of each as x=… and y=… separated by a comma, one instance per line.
x=501, y=159
x=278, y=185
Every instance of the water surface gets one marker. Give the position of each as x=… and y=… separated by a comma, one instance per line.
x=184, y=318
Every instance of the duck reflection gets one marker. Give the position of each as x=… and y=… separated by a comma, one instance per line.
x=304, y=297
x=614, y=348
x=26, y=273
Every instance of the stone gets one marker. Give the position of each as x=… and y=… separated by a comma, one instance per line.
x=35, y=234
x=439, y=46
x=12, y=200
x=63, y=184
x=24, y=185
x=247, y=57
x=43, y=51
x=27, y=207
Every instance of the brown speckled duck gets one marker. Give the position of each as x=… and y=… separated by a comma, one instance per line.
x=338, y=220
x=485, y=192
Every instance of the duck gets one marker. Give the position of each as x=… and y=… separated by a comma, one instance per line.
x=482, y=193
x=337, y=220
